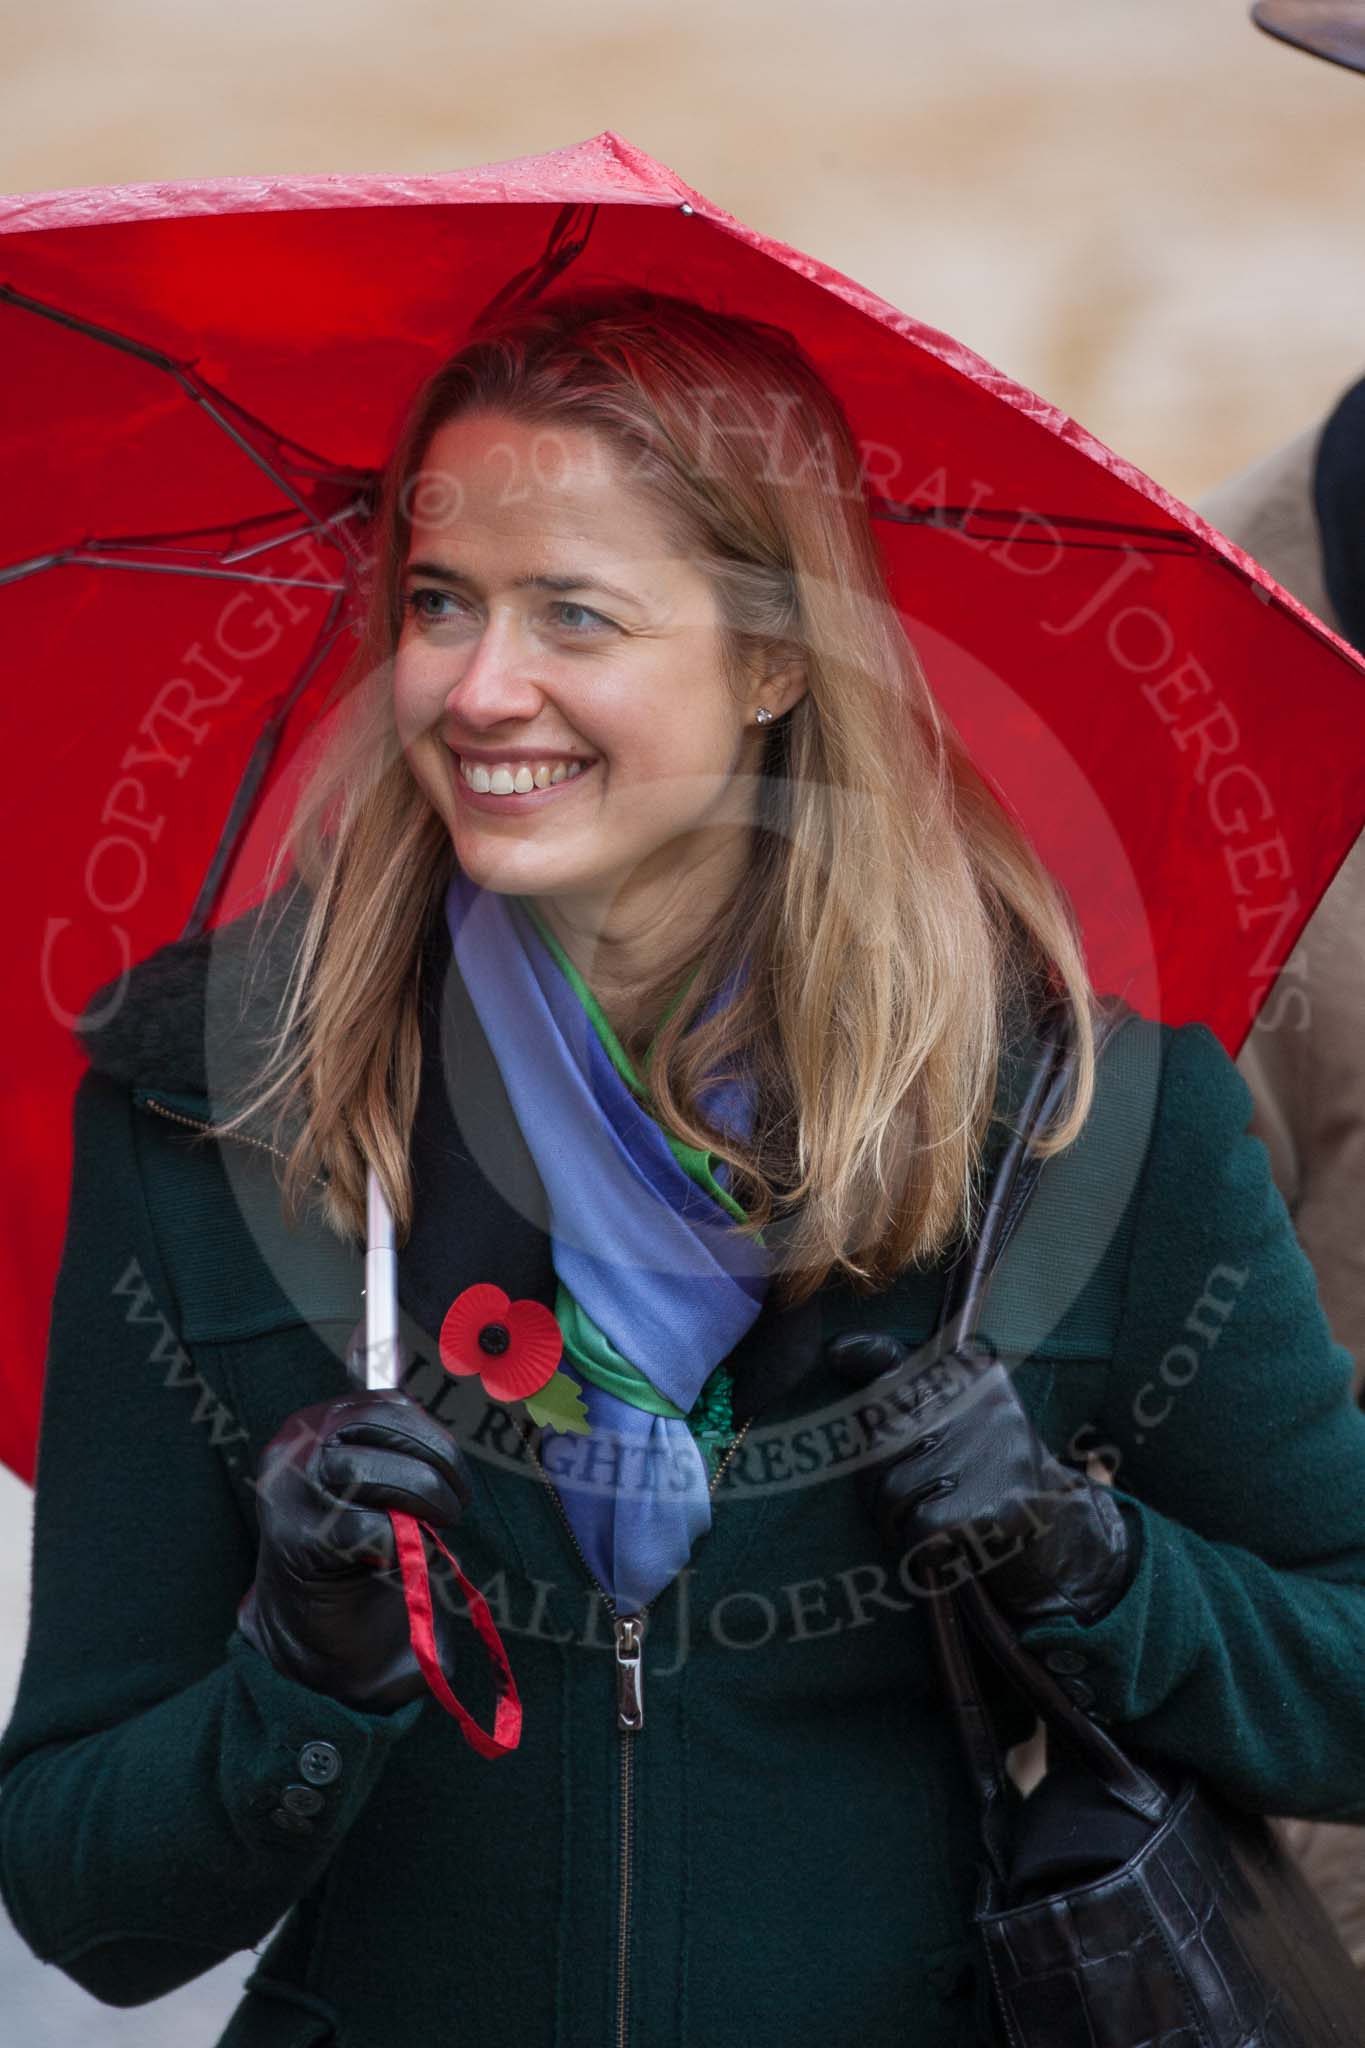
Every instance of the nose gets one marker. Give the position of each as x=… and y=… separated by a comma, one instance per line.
x=496, y=680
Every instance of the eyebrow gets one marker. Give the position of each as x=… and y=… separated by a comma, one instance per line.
x=441, y=572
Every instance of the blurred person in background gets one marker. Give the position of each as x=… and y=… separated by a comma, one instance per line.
x=1300, y=511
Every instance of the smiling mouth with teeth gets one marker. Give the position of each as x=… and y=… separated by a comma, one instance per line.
x=505, y=780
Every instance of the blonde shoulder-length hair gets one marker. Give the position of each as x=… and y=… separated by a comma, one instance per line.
x=892, y=916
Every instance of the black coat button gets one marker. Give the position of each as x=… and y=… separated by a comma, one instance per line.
x=319, y=1762
x=1068, y=1662
x=290, y=1823
x=301, y=1799
x=1076, y=1689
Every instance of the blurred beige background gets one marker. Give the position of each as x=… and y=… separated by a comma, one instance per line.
x=1145, y=210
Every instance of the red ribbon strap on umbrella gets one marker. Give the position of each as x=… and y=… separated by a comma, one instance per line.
x=407, y=1535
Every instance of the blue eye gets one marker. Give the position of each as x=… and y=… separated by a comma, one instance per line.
x=413, y=604
x=578, y=620
x=594, y=619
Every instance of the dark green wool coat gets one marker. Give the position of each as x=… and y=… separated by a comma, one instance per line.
x=785, y=1852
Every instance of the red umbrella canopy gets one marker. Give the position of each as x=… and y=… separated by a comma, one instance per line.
x=200, y=381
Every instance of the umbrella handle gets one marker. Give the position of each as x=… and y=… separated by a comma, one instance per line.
x=383, y=1368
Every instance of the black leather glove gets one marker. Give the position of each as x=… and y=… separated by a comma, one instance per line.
x=968, y=1486
x=327, y=1605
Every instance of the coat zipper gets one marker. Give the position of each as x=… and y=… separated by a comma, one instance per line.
x=195, y=1123
x=629, y=1630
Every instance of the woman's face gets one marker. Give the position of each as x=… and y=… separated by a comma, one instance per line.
x=557, y=647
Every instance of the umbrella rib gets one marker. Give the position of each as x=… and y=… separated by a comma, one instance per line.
x=87, y=553
x=110, y=336
x=320, y=468
x=953, y=519
x=261, y=547
x=214, y=575
x=198, y=393
x=559, y=252
x=197, y=388
x=923, y=513
x=257, y=765
x=14, y=572
x=231, y=529
x=75, y=557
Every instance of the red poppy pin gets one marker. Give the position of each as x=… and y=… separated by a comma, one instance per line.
x=514, y=1347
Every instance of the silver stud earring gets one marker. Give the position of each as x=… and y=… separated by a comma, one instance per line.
x=763, y=716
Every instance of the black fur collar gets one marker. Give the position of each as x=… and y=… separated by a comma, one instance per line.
x=189, y=1019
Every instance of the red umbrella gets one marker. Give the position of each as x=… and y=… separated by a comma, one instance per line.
x=200, y=380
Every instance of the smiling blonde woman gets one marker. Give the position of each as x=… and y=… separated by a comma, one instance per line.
x=660, y=967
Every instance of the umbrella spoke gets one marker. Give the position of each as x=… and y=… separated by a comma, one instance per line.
x=359, y=509
x=199, y=392
x=1054, y=529
x=166, y=553
x=254, y=773
x=272, y=460
x=302, y=461
x=14, y=572
x=214, y=575
x=79, y=558
x=109, y=336
x=567, y=239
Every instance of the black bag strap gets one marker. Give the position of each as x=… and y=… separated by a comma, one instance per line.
x=968, y=1284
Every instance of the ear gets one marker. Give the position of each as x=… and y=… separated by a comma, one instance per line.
x=779, y=683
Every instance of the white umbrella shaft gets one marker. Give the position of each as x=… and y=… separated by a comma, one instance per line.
x=381, y=1292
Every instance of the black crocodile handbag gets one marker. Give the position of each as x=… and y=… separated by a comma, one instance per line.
x=1122, y=1904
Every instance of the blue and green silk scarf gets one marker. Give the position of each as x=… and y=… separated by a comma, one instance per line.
x=655, y=1285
